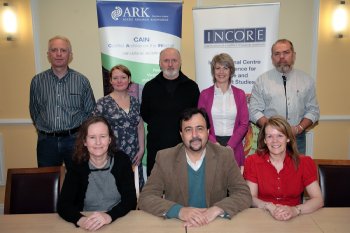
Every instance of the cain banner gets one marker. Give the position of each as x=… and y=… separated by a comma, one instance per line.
x=133, y=33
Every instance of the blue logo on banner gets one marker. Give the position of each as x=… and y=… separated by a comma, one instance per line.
x=117, y=13
x=133, y=12
x=164, y=17
x=229, y=36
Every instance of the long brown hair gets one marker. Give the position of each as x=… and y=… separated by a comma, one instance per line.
x=279, y=123
x=81, y=153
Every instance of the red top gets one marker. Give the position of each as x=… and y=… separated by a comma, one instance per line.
x=284, y=187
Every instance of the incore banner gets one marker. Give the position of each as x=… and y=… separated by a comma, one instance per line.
x=246, y=32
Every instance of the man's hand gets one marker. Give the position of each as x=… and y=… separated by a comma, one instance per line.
x=212, y=212
x=193, y=217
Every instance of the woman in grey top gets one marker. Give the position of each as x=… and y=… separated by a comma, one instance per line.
x=101, y=180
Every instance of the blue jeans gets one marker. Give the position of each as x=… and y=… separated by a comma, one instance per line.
x=301, y=142
x=53, y=151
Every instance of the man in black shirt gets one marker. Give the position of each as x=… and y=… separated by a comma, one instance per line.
x=163, y=99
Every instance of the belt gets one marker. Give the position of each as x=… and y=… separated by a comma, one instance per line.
x=62, y=133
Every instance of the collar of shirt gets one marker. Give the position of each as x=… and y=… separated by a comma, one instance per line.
x=289, y=74
x=218, y=91
x=287, y=159
x=63, y=79
x=195, y=166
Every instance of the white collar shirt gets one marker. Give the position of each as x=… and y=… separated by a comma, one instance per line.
x=223, y=111
x=195, y=166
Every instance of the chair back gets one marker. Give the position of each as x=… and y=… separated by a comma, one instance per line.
x=33, y=190
x=334, y=178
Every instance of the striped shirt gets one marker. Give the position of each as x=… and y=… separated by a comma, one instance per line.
x=60, y=104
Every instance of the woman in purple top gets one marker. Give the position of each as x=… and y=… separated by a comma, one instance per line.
x=226, y=106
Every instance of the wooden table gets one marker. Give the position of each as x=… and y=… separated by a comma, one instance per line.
x=326, y=220
x=333, y=220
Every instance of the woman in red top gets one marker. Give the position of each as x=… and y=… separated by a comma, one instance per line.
x=277, y=175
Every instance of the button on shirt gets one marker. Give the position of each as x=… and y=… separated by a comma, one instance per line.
x=224, y=112
x=60, y=104
x=268, y=97
x=284, y=187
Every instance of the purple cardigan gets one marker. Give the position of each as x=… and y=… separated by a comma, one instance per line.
x=240, y=128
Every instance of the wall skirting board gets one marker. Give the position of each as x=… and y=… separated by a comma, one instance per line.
x=15, y=121
x=24, y=121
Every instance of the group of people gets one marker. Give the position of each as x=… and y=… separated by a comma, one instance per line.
x=196, y=166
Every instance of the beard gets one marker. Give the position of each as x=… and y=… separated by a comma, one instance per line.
x=283, y=68
x=196, y=148
x=170, y=73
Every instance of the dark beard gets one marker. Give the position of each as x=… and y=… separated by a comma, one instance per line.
x=196, y=149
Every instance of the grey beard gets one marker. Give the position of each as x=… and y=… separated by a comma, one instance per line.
x=284, y=68
x=171, y=74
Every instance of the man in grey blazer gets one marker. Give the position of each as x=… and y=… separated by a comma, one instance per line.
x=195, y=181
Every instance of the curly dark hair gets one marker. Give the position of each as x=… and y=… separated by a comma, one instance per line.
x=189, y=112
x=81, y=153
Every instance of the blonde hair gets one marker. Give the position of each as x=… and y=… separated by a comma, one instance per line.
x=280, y=124
x=225, y=60
x=65, y=39
x=60, y=38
